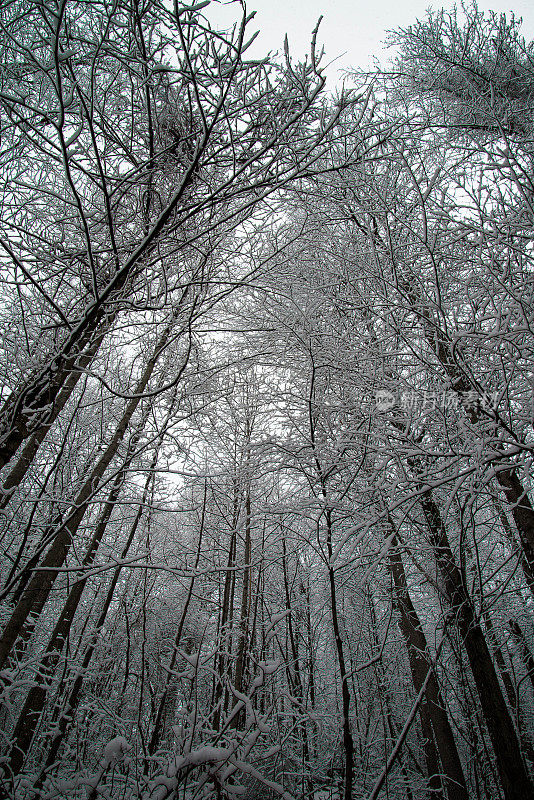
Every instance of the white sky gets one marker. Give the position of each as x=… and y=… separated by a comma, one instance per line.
x=355, y=27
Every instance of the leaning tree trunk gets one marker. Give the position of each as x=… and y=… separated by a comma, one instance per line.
x=67, y=715
x=509, y=687
x=32, y=709
x=19, y=579
x=505, y=473
x=35, y=701
x=36, y=594
x=18, y=471
x=513, y=775
x=434, y=719
x=523, y=549
x=27, y=410
x=524, y=650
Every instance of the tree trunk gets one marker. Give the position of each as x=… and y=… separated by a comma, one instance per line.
x=295, y=677
x=513, y=775
x=227, y=611
x=244, y=622
x=18, y=471
x=506, y=475
x=434, y=719
x=36, y=594
x=67, y=716
x=348, y=743
x=26, y=411
x=524, y=650
x=522, y=512
x=522, y=548
x=159, y=721
x=35, y=701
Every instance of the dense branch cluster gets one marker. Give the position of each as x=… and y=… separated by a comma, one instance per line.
x=266, y=433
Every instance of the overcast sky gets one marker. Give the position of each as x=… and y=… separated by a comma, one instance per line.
x=355, y=28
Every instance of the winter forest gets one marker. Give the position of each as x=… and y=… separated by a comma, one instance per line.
x=267, y=408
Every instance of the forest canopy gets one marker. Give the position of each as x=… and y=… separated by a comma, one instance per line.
x=266, y=422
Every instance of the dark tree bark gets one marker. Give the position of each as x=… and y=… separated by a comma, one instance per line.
x=26, y=412
x=348, y=742
x=246, y=597
x=35, y=701
x=294, y=673
x=434, y=719
x=18, y=471
x=524, y=649
x=321, y=477
x=515, y=781
x=163, y=705
x=457, y=373
x=66, y=718
x=36, y=594
x=220, y=693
